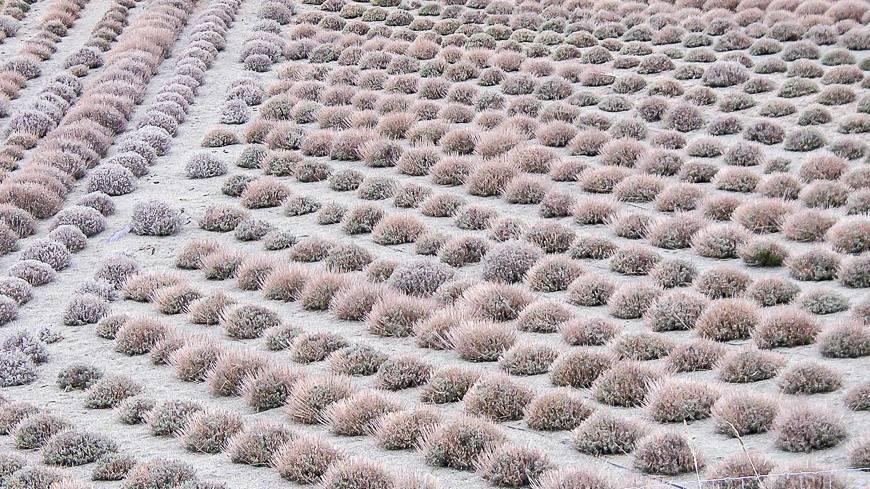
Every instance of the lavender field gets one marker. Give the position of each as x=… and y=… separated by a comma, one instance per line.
x=405, y=244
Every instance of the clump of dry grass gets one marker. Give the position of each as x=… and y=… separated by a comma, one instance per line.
x=512, y=465
x=258, y=442
x=397, y=315
x=270, y=387
x=498, y=397
x=247, y=321
x=112, y=467
x=358, y=415
x=529, y=359
x=676, y=401
x=543, y=317
x=625, y=384
x=175, y=299
x=809, y=377
x=642, y=346
x=400, y=430
x=159, y=472
x=35, y=431
x=139, y=335
x=226, y=375
x=591, y=332
x=311, y=397
x=508, y=262
x=557, y=409
x=210, y=430
x=402, y=372
x=481, y=341
x=357, y=473
x=847, y=340
x=133, y=410
x=110, y=390
x=170, y=417
x=316, y=346
x=579, y=368
x=632, y=302
x=741, y=469
x=728, y=319
x=858, y=397
x=457, y=443
x=666, y=453
x=495, y=302
x=859, y=454
x=695, y=356
x=448, y=384
x=605, y=433
x=805, y=428
x=786, y=327
x=749, y=365
x=304, y=460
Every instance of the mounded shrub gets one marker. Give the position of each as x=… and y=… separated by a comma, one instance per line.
x=35, y=430
x=728, y=319
x=786, y=327
x=497, y=397
x=402, y=372
x=457, y=443
x=74, y=447
x=512, y=465
x=258, y=442
x=159, y=472
x=677, y=401
x=210, y=430
x=229, y=371
x=605, y=433
x=112, y=467
x=304, y=460
x=847, y=340
x=133, y=410
x=805, y=428
x=357, y=415
x=78, y=376
x=481, y=341
x=170, y=417
x=448, y=384
x=749, y=365
x=624, y=384
x=808, y=377
x=311, y=397
x=155, y=218
x=139, y=335
x=666, y=453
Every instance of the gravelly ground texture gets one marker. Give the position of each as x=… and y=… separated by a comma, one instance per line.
x=590, y=244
